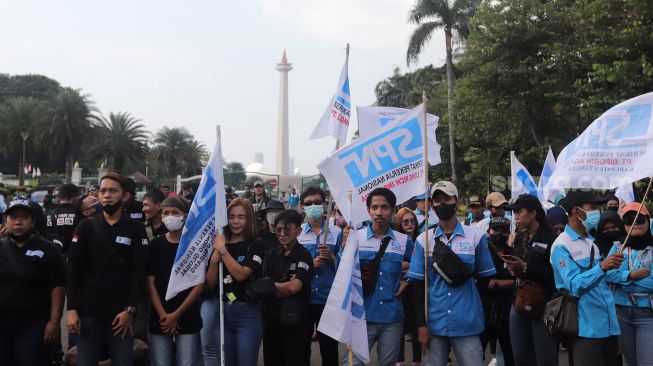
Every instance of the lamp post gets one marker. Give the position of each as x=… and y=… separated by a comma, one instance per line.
x=21, y=170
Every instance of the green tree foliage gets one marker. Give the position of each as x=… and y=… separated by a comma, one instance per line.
x=177, y=152
x=122, y=140
x=234, y=174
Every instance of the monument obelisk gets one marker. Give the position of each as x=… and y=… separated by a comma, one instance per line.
x=282, y=127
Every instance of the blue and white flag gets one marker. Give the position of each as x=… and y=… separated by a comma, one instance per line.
x=616, y=149
x=549, y=166
x=625, y=193
x=335, y=119
x=207, y=213
x=521, y=180
x=392, y=158
x=343, y=318
x=372, y=119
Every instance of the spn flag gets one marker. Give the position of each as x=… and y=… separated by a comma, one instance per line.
x=549, y=166
x=617, y=148
x=335, y=119
x=372, y=119
x=207, y=213
x=343, y=318
x=392, y=158
x=521, y=180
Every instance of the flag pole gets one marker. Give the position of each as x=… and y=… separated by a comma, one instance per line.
x=218, y=231
x=641, y=205
x=426, y=209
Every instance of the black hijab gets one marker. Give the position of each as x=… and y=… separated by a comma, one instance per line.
x=606, y=241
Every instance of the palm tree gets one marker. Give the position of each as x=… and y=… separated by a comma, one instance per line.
x=125, y=138
x=194, y=152
x=393, y=91
x=19, y=115
x=452, y=16
x=177, y=151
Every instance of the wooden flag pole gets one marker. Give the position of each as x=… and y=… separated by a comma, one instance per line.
x=648, y=189
x=350, y=356
x=426, y=209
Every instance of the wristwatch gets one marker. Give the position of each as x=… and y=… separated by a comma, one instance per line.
x=223, y=251
x=130, y=309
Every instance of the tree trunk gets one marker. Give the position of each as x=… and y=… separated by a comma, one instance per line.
x=450, y=111
x=69, y=165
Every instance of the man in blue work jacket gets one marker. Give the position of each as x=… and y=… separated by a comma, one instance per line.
x=383, y=306
x=455, y=312
x=576, y=273
x=324, y=260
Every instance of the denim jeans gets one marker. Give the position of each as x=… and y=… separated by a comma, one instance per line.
x=161, y=346
x=530, y=343
x=388, y=336
x=467, y=349
x=636, y=335
x=208, y=311
x=94, y=333
x=243, y=332
x=24, y=347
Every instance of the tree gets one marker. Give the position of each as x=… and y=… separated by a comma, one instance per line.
x=177, y=152
x=19, y=115
x=123, y=142
x=452, y=16
x=234, y=174
x=36, y=86
x=70, y=123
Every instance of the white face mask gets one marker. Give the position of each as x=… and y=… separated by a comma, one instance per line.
x=173, y=223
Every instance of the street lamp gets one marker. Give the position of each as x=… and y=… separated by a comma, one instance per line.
x=21, y=169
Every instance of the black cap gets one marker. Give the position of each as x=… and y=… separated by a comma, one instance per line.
x=577, y=198
x=524, y=201
x=499, y=221
x=20, y=203
x=273, y=205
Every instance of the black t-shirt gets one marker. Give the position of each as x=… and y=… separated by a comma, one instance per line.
x=536, y=252
x=248, y=253
x=161, y=258
x=27, y=277
x=62, y=222
x=107, y=266
x=134, y=210
x=281, y=268
x=156, y=232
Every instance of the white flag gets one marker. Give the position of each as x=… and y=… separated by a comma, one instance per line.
x=521, y=180
x=207, y=212
x=372, y=119
x=616, y=149
x=335, y=119
x=625, y=193
x=392, y=158
x=343, y=318
x=549, y=166
x=38, y=172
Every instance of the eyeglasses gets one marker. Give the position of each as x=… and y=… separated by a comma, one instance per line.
x=629, y=220
x=408, y=221
x=285, y=230
x=311, y=203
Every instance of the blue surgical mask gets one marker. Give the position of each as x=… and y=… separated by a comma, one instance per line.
x=314, y=212
x=592, y=219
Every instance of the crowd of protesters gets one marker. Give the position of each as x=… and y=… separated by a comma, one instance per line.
x=101, y=263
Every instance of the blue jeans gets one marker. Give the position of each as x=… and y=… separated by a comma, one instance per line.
x=208, y=311
x=243, y=332
x=185, y=344
x=388, y=336
x=467, y=349
x=636, y=335
x=530, y=343
x=24, y=347
x=93, y=334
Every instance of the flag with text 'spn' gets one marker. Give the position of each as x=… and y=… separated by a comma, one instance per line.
x=343, y=318
x=392, y=158
x=373, y=118
x=521, y=180
x=616, y=149
x=207, y=213
x=335, y=120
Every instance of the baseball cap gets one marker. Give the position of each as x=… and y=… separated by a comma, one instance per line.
x=258, y=183
x=634, y=207
x=499, y=221
x=445, y=187
x=495, y=199
x=577, y=198
x=20, y=203
x=475, y=200
x=524, y=201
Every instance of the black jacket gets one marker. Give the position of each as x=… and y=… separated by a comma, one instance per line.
x=536, y=252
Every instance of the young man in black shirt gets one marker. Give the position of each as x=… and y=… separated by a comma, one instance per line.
x=106, y=278
x=63, y=220
x=152, y=210
x=287, y=326
x=132, y=207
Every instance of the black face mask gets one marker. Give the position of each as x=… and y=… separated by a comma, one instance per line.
x=111, y=209
x=498, y=240
x=22, y=238
x=445, y=211
x=613, y=208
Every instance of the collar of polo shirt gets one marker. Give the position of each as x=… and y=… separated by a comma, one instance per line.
x=389, y=233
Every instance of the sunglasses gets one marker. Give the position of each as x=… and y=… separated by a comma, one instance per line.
x=285, y=230
x=408, y=221
x=311, y=203
x=630, y=220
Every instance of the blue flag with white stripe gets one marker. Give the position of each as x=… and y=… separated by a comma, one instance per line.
x=521, y=180
x=207, y=213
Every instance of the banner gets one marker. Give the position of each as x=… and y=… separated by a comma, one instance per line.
x=207, y=212
x=521, y=180
x=343, y=318
x=372, y=119
x=392, y=158
x=549, y=166
x=616, y=149
x=335, y=119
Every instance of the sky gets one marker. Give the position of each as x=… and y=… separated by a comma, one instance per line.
x=200, y=63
